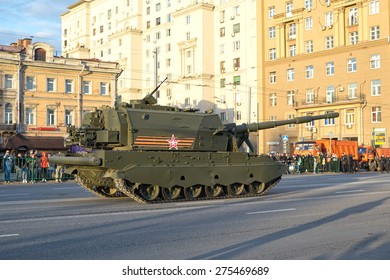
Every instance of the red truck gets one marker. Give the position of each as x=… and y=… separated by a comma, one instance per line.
x=327, y=146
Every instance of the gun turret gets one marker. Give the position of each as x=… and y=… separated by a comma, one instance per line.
x=241, y=132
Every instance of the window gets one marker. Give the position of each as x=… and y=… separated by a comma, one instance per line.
x=222, y=32
x=222, y=16
x=375, y=33
x=222, y=66
x=236, y=11
x=68, y=117
x=50, y=117
x=375, y=61
x=271, y=12
x=308, y=23
x=290, y=74
x=158, y=35
x=271, y=32
x=293, y=50
x=309, y=125
x=308, y=4
x=236, y=45
x=329, y=121
x=272, y=54
x=236, y=28
x=189, y=69
x=290, y=97
x=353, y=37
x=222, y=48
x=86, y=87
x=222, y=83
x=148, y=24
x=30, y=83
x=290, y=117
x=40, y=54
x=158, y=7
x=352, y=90
x=101, y=29
x=329, y=19
x=309, y=48
x=222, y=116
x=329, y=42
x=330, y=68
x=8, y=114
x=30, y=116
x=103, y=88
x=374, y=7
x=236, y=63
x=309, y=95
x=236, y=80
x=376, y=87
x=272, y=100
x=353, y=16
x=349, y=116
x=376, y=114
x=168, y=32
x=351, y=65
x=272, y=77
x=188, y=19
x=8, y=81
x=292, y=31
x=50, y=84
x=158, y=21
x=289, y=8
x=309, y=72
x=330, y=94
x=68, y=86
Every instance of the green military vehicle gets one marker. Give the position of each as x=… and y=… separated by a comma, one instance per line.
x=154, y=154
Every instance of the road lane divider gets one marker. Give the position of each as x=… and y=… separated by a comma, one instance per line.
x=271, y=211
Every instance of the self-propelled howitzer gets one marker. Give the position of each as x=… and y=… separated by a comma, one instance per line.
x=155, y=153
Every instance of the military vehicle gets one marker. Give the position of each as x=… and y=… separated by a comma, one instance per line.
x=154, y=153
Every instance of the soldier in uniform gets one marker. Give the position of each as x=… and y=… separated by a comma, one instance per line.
x=344, y=163
x=387, y=163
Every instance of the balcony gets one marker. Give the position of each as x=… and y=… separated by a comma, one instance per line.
x=326, y=101
x=7, y=127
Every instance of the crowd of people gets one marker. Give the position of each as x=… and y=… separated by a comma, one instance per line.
x=300, y=163
x=30, y=167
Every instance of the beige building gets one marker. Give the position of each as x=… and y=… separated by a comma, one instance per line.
x=206, y=49
x=326, y=56
x=42, y=94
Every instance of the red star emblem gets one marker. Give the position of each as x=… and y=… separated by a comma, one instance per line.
x=173, y=143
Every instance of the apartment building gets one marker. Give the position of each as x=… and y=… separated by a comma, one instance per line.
x=205, y=49
x=42, y=94
x=326, y=56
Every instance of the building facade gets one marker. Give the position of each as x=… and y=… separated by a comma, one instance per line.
x=42, y=94
x=205, y=49
x=326, y=56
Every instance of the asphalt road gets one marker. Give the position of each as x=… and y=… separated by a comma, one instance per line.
x=305, y=217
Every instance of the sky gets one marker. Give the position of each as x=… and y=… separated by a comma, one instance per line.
x=36, y=19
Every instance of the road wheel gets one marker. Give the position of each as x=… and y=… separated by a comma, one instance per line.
x=236, y=189
x=149, y=192
x=257, y=188
x=213, y=191
x=171, y=193
x=193, y=192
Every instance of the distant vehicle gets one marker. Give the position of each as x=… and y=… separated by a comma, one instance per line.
x=370, y=156
x=327, y=146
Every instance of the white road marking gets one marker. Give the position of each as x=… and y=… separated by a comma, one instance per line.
x=9, y=235
x=65, y=188
x=352, y=191
x=271, y=211
x=15, y=194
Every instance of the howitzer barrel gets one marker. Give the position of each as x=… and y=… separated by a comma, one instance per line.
x=89, y=161
x=253, y=127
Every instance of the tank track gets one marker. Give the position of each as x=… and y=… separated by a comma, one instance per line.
x=83, y=183
x=121, y=185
